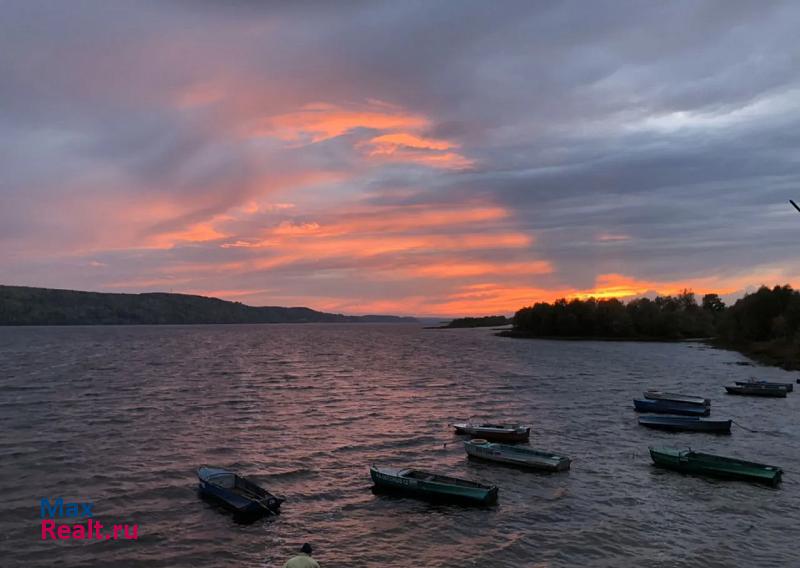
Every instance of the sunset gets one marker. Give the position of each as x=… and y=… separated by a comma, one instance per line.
x=446, y=284
x=274, y=155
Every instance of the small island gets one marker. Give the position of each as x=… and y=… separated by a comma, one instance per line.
x=764, y=325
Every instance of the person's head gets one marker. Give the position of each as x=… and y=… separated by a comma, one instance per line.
x=306, y=549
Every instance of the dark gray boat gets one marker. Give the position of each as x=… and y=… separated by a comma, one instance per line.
x=686, y=424
x=428, y=485
x=517, y=455
x=757, y=383
x=676, y=397
x=757, y=390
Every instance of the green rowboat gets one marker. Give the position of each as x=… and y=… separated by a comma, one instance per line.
x=427, y=485
x=688, y=461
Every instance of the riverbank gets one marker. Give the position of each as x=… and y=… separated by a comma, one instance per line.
x=783, y=354
x=521, y=335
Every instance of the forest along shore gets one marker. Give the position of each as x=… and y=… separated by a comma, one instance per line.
x=764, y=325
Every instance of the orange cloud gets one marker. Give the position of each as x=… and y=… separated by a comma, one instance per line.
x=466, y=269
x=363, y=246
x=384, y=220
x=381, y=231
x=607, y=237
x=321, y=121
x=196, y=233
x=402, y=138
x=415, y=217
x=405, y=147
x=389, y=143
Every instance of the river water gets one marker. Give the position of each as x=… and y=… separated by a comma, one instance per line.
x=122, y=417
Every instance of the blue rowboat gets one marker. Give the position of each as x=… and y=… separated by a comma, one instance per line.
x=427, y=485
x=669, y=407
x=686, y=424
x=757, y=390
x=237, y=493
x=516, y=455
x=754, y=382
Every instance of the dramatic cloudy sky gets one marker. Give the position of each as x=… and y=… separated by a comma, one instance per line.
x=402, y=157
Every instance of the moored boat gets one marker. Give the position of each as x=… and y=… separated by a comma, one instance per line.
x=757, y=390
x=669, y=407
x=689, y=461
x=675, y=397
x=686, y=424
x=427, y=485
x=237, y=493
x=755, y=382
x=516, y=455
x=495, y=432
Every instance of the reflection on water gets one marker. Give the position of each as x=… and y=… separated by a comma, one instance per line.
x=122, y=416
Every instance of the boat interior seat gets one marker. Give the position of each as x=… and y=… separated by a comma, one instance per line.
x=226, y=481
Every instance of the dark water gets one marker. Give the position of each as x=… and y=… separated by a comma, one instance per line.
x=122, y=416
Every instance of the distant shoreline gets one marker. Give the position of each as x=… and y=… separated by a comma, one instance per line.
x=28, y=306
x=473, y=322
x=64, y=325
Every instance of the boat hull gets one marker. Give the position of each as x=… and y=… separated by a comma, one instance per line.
x=686, y=424
x=394, y=481
x=667, y=407
x=674, y=397
x=494, y=434
x=788, y=386
x=756, y=391
x=697, y=463
x=236, y=493
x=516, y=456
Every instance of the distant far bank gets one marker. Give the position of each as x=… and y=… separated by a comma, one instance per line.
x=764, y=325
x=485, y=321
x=23, y=305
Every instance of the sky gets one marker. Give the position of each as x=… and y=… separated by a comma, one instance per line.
x=424, y=158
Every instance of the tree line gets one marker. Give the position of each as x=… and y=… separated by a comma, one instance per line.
x=769, y=314
x=485, y=321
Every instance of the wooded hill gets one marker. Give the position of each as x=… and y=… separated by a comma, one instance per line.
x=21, y=305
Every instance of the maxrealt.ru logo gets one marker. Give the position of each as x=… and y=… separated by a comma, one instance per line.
x=92, y=529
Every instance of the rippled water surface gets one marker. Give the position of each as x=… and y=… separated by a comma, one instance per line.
x=122, y=416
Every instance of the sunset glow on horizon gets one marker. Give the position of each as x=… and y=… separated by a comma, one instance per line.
x=397, y=158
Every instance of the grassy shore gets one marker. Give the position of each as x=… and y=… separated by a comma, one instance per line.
x=783, y=354
x=522, y=335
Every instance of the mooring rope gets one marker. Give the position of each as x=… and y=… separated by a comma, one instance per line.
x=744, y=427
